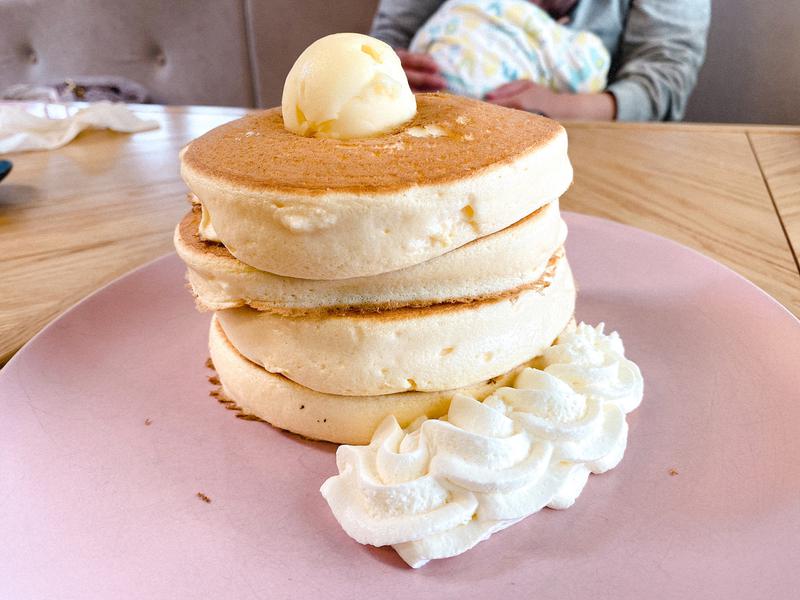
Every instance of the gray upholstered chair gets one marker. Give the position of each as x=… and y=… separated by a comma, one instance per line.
x=752, y=70
x=223, y=52
x=237, y=52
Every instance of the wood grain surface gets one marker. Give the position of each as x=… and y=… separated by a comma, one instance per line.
x=700, y=187
x=75, y=218
x=779, y=158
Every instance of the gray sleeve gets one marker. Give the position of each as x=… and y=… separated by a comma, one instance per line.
x=396, y=21
x=662, y=49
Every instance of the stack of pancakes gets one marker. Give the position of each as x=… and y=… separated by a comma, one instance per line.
x=353, y=279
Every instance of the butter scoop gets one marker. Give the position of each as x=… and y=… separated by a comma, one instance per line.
x=346, y=85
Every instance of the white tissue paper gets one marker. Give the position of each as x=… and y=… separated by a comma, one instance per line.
x=21, y=130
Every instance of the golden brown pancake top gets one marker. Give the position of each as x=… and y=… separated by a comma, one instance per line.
x=257, y=152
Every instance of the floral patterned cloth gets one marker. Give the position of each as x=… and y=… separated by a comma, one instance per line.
x=480, y=45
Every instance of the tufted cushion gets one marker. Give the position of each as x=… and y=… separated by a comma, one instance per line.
x=224, y=52
x=182, y=52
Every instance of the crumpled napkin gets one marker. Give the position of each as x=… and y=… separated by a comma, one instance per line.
x=21, y=130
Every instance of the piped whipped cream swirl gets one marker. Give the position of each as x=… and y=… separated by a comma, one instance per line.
x=440, y=486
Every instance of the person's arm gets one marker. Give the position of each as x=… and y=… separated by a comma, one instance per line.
x=662, y=49
x=527, y=95
x=396, y=21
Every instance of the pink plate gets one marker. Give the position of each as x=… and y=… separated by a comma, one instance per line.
x=108, y=434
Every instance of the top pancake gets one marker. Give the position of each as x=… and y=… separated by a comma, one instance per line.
x=256, y=152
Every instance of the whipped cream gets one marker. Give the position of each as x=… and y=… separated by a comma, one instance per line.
x=440, y=486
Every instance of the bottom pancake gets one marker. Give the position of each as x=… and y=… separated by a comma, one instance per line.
x=340, y=419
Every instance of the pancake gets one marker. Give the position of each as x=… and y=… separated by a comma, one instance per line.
x=439, y=347
x=511, y=259
x=328, y=209
x=339, y=419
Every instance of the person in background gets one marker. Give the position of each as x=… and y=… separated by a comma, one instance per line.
x=544, y=56
x=480, y=45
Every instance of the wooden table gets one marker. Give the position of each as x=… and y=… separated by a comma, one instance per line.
x=75, y=218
